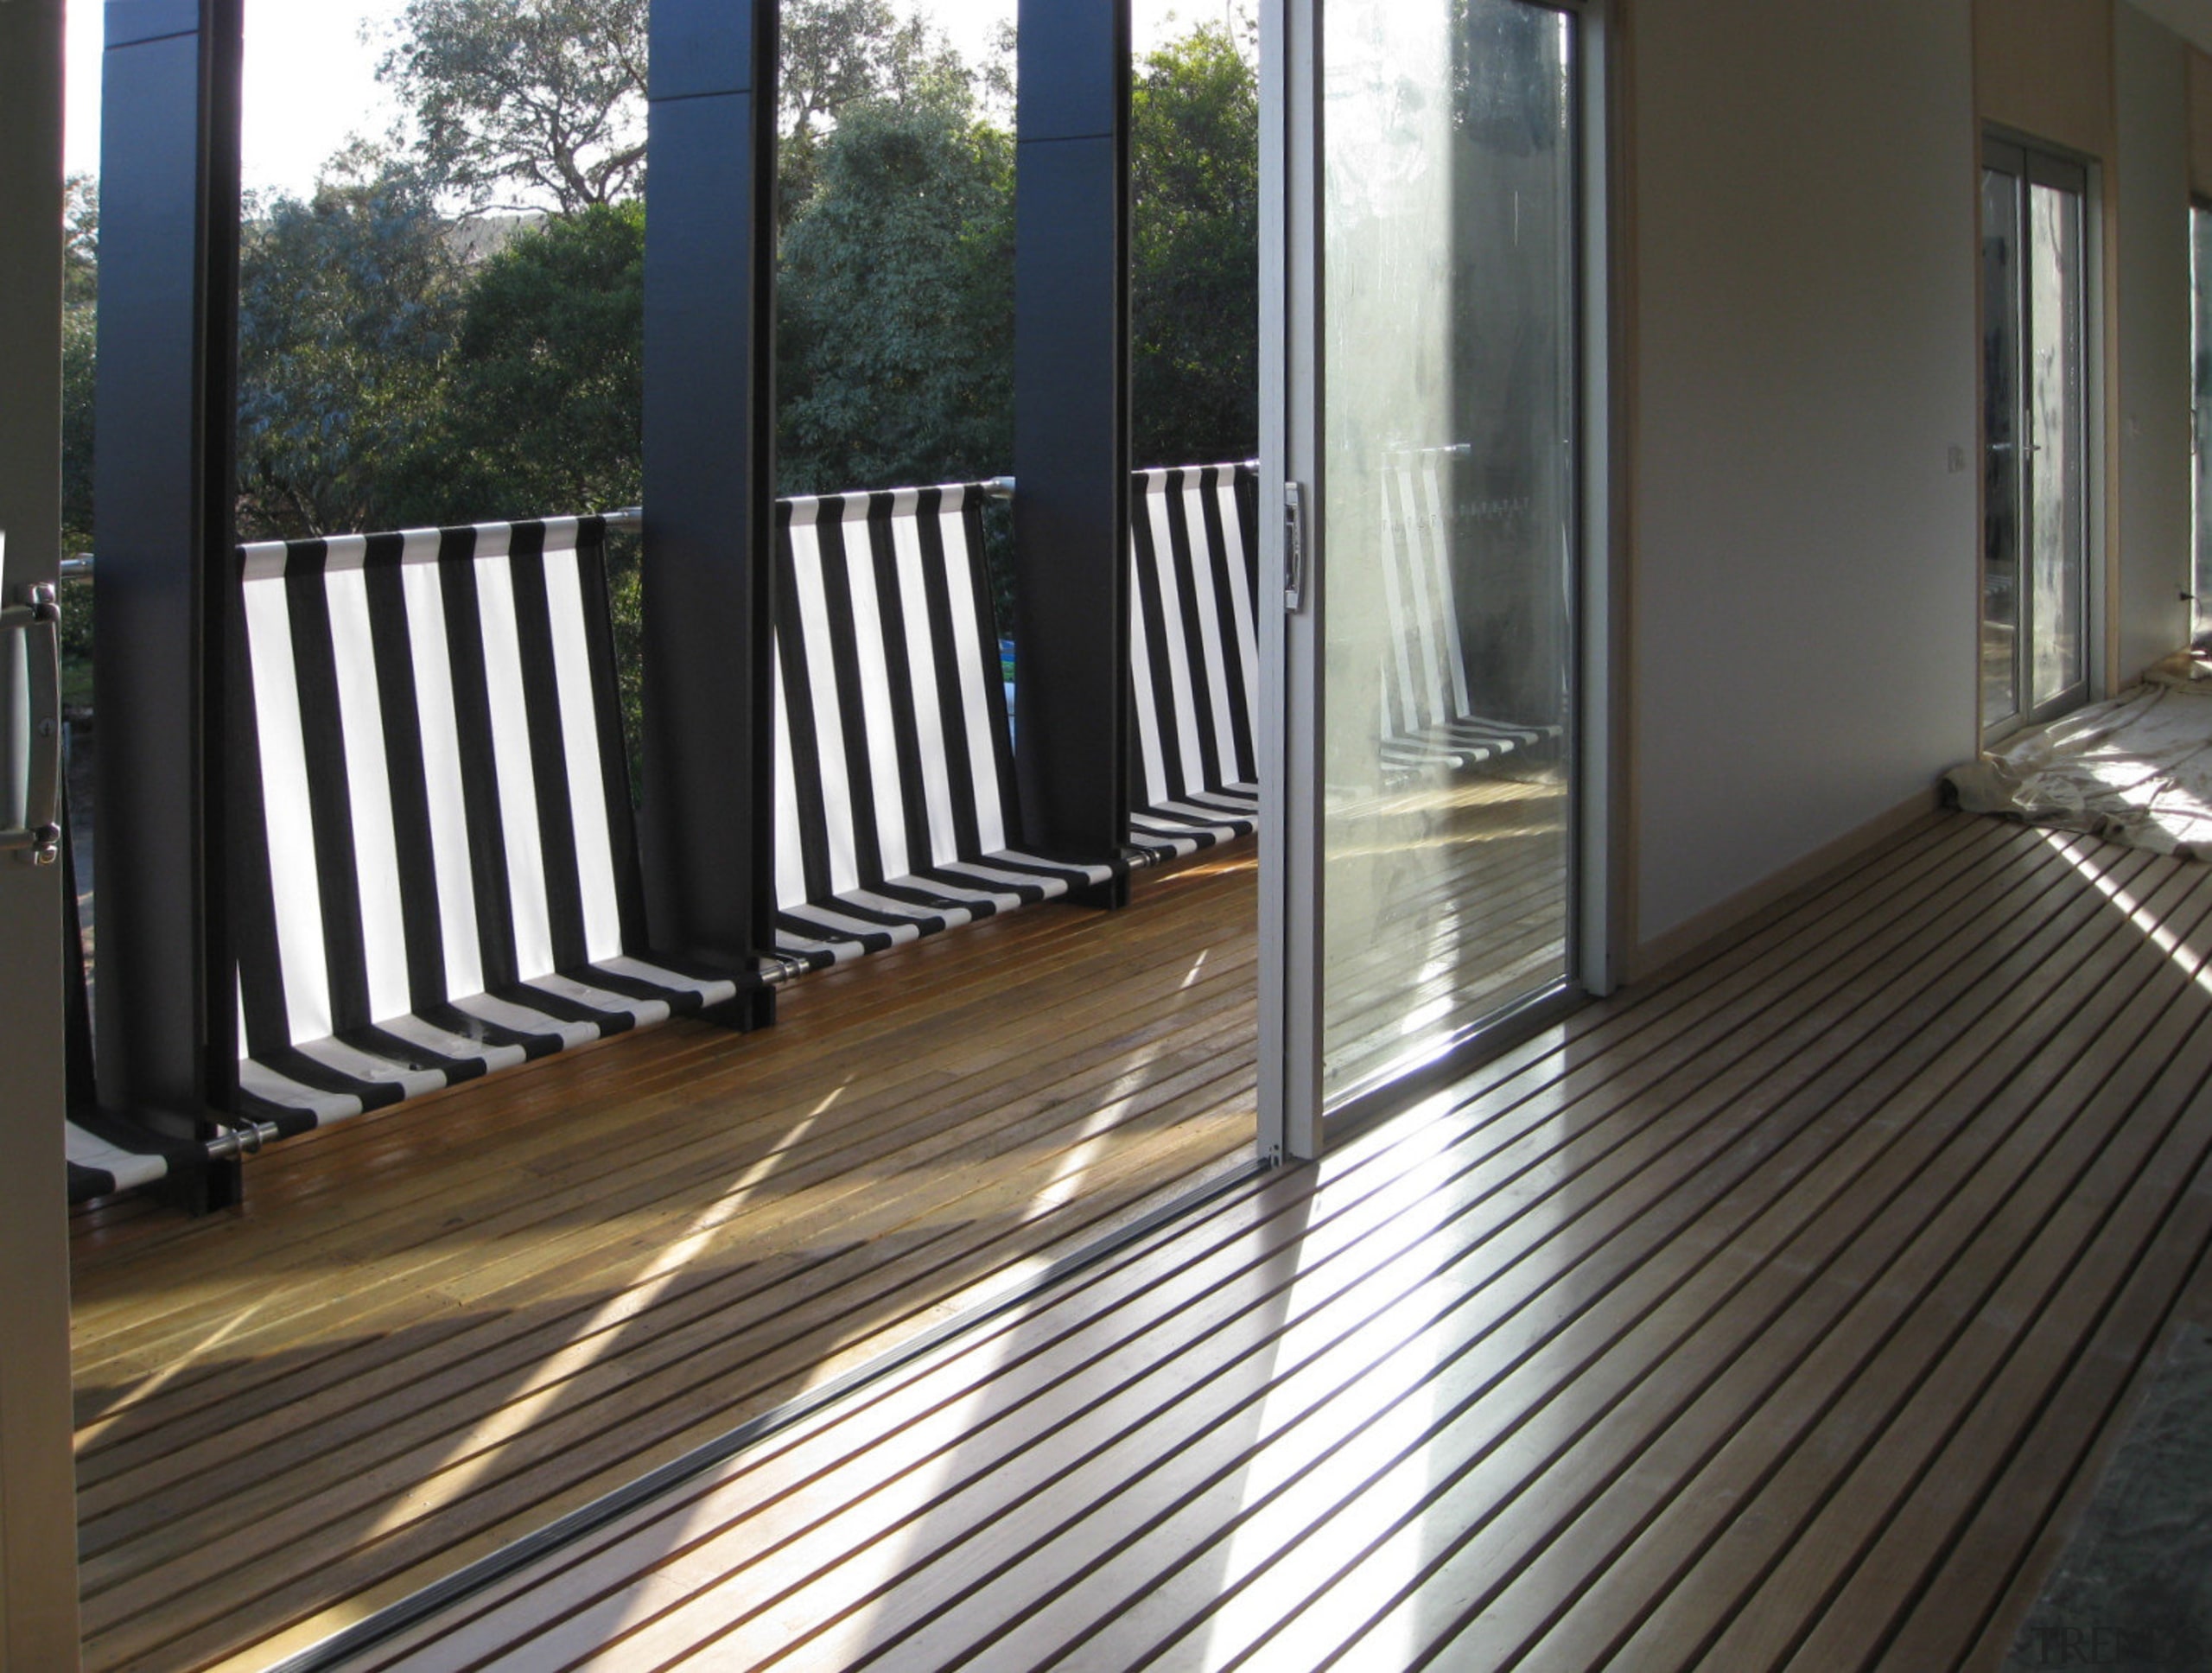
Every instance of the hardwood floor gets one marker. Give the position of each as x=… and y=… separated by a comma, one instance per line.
x=1773, y=1315
x=431, y=1330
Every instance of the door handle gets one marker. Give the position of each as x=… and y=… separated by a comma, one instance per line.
x=1293, y=560
x=37, y=841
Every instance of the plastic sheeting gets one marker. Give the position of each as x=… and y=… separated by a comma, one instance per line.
x=2136, y=770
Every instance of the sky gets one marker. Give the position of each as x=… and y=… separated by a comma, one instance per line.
x=310, y=82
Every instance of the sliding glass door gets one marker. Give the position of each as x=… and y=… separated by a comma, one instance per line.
x=2035, y=633
x=1433, y=173
x=2200, y=272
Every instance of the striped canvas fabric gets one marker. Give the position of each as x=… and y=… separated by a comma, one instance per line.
x=1428, y=716
x=895, y=810
x=106, y=1157
x=434, y=873
x=1194, y=658
x=107, y=1153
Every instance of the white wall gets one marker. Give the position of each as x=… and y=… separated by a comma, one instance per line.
x=2191, y=19
x=1804, y=580
x=2150, y=293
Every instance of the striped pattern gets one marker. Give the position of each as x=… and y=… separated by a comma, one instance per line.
x=441, y=1326
x=1194, y=658
x=106, y=1155
x=1428, y=718
x=895, y=812
x=434, y=867
x=1773, y=1314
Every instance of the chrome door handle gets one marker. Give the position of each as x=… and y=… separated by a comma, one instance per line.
x=1294, y=561
x=37, y=841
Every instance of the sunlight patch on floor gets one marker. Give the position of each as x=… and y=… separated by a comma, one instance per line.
x=1284, y=1486
x=597, y=1339
x=90, y=1433
x=2190, y=962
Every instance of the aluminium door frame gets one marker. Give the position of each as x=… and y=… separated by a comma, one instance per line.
x=1294, y=566
x=38, y=1553
x=2200, y=433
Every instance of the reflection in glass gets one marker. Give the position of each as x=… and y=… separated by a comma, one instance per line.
x=2055, y=426
x=1449, y=367
x=2000, y=383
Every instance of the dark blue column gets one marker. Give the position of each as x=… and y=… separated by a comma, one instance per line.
x=163, y=500
x=709, y=476
x=1072, y=425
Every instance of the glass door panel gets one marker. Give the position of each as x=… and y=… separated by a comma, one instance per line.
x=2057, y=429
x=2200, y=240
x=1447, y=365
x=2034, y=626
x=2000, y=562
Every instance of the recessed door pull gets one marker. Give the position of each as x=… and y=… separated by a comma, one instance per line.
x=35, y=733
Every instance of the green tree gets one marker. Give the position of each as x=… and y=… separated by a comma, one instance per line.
x=347, y=306
x=895, y=329
x=80, y=288
x=544, y=402
x=541, y=104
x=525, y=103
x=79, y=366
x=834, y=55
x=1195, y=252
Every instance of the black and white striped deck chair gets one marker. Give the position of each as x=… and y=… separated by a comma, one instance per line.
x=435, y=867
x=107, y=1153
x=1194, y=660
x=895, y=809
x=1428, y=713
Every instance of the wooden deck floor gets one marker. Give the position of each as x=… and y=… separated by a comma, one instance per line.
x=1773, y=1316
x=429, y=1331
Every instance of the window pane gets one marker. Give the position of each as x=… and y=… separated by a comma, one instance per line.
x=2057, y=403
x=2200, y=228
x=1449, y=358
x=2000, y=561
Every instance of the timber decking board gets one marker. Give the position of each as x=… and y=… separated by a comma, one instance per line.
x=433, y=1328
x=1771, y=1315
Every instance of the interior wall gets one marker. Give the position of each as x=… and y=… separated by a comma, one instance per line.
x=2200, y=123
x=2150, y=295
x=2045, y=67
x=38, y=1590
x=1804, y=331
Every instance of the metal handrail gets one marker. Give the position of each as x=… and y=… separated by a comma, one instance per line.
x=626, y=518
x=80, y=565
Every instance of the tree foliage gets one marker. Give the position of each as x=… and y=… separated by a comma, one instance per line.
x=541, y=104
x=525, y=103
x=896, y=307
x=545, y=398
x=79, y=355
x=1194, y=253
x=79, y=368
x=836, y=54
x=347, y=306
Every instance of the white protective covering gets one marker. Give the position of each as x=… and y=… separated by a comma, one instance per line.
x=2136, y=770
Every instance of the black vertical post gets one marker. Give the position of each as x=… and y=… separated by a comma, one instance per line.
x=709, y=477
x=164, y=505
x=1072, y=425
